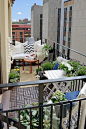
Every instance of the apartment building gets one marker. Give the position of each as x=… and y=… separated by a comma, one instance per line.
x=36, y=21
x=20, y=32
x=74, y=25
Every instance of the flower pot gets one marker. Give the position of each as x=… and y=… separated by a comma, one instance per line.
x=64, y=110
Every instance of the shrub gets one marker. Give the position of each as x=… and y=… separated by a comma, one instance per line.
x=14, y=74
x=48, y=65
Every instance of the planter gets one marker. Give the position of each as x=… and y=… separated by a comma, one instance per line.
x=64, y=110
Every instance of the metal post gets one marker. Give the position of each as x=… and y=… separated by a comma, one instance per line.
x=40, y=108
x=53, y=51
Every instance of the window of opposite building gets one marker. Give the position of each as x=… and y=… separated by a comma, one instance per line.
x=20, y=36
x=13, y=33
x=64, y=38
x=21, y=33
x=70, y=8
x=59, y=11
x=70, y=19
x=59, y=20
x=64, y=29
x=58, y=37
x=13, y=37
x=13, y=41
x=65, y=10
x=58, y=29
x=69, y=29
x=20, y=28
x=65, y=19
x=40, y=15
x=69, y=39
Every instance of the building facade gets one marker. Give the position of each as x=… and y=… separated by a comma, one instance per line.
x=20, y=32
x=36, y=21
x=73, y=29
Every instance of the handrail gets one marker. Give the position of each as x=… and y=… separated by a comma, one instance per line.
x=41, y=81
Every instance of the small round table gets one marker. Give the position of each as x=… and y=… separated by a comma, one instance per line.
x=30, y=61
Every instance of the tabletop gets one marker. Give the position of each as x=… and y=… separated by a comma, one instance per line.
x=53, y=74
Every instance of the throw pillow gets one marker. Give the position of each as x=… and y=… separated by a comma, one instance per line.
x=56, y=66
x=35, y=44
x=39, y=47
x=16, y=49
x=17, y=43
x=22, y=46
x=29, y=48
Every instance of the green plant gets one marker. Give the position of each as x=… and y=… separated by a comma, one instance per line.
x=25, y=117
x=14, y=80
x=46, y=49
x=65, y=68
x=74, y=63
x=14, y=74
x=16, y=67
x=48, y=65
x=81, y=71
x=39, y=69
x=58, y=97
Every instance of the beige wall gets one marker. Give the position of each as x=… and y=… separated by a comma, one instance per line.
x=50, y=19
x=36, y=10
x=4, y=29
x=78, y=41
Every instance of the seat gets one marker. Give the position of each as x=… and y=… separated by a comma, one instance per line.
x=82, y=94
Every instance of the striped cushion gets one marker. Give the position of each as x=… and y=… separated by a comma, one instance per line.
x=29, y=48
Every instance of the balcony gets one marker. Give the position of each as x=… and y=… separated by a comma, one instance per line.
x=23, y=93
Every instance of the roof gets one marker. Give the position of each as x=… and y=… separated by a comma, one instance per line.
x=21, y=26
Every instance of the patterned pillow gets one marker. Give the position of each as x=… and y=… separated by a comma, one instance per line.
x=29, y=48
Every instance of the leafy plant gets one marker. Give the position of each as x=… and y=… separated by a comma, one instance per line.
x=14, y=74
x=46, y=49
x=39, y=69
x=16, y=67
x=65, y=68
x=25, y=117
x=74, y=63
x=58, y=97
x=48, y=65
x=81, y=71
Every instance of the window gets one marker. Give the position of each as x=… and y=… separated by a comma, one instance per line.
x=13, y=37
x=40, y=15
x=70, y=19
x=59, y=11
x=63, y=48
x=20, y=36
x=57, y=46
x=58, y=29
x=13, y=41
x=69, y=39
x=64, y=29
x=20, y=28
x=13, y=33
x=65, y=10
x=21, y=33
x=58, y=37
x=29, y=32
x=64, y=38
x=29, y=29
x=40, y=22
x=70, y=8
x=59, y=20
x=65, y=19
x=69, y=29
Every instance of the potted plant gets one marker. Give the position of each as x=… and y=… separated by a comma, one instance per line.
x=48, y=65
x=37, y=70
x=58, y=97
x=14, y=76
x=46, y=49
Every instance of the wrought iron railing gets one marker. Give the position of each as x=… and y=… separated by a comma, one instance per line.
x=79, y=82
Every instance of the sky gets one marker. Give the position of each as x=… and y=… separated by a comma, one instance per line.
x=22, y=9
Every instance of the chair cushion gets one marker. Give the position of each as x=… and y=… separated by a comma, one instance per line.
x=22, y=46
x=20, y=56
x=56, y=66
x=16, y=49
x=39, y=47
x=72, y=95
x=35, y=44
x=29, y=48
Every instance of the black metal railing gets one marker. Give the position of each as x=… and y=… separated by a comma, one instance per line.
x=79, y=82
